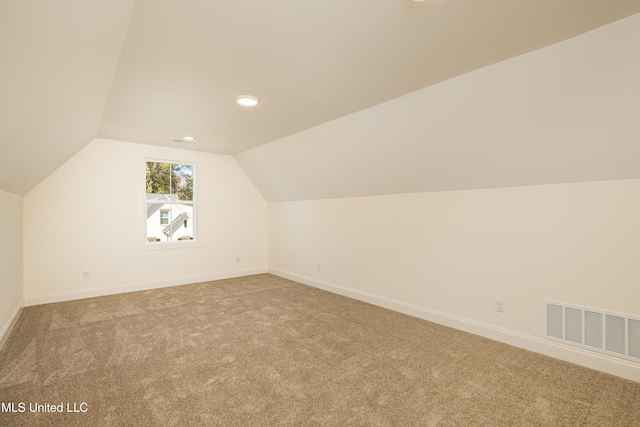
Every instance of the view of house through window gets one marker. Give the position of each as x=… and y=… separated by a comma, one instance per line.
x=170, y=202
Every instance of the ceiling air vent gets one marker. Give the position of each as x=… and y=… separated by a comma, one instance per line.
x=184, y=139
x=606, y=332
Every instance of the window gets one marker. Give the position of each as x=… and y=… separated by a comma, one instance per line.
x=164, y=217
x=170, y=202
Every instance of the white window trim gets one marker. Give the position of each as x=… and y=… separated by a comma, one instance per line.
x=142, y=203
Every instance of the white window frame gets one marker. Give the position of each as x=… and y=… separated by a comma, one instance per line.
x=174, y=244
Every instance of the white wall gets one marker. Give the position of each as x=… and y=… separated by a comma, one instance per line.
x=446, y=256
x=10, y=259
x=89, y=215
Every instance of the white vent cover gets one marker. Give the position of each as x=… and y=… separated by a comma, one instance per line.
x=611, y=333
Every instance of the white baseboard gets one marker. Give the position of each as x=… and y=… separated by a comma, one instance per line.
x=133, y=287
x=8, y=327
x=592, y=360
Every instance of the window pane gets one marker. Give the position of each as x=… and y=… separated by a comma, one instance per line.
x=158, y=178
x=181, y=227
x=169, y=222
x=182, y=181
x=157, y=221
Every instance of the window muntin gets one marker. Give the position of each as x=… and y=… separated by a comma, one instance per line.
x=170, y=202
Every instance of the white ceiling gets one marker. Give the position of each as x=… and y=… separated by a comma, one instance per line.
x=58, y=59
x=152, y=70
x=564, y=113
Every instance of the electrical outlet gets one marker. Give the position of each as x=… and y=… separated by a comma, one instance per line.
x=237, y=259
x=500, y=305
x=318, y=267
x=85, y=274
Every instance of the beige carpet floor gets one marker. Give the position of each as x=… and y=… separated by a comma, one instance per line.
x=264, y=351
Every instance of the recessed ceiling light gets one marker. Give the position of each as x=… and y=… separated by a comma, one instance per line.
x=247, y=100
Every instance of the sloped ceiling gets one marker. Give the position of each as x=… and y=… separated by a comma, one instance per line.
x=565, y=113
x=58, y=59
x=152, y=70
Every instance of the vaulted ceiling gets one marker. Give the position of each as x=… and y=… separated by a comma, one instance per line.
x=150, y=71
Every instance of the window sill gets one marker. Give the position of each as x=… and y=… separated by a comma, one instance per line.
x=176, y=244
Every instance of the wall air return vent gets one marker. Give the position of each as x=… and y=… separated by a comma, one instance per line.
x=605, y=332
